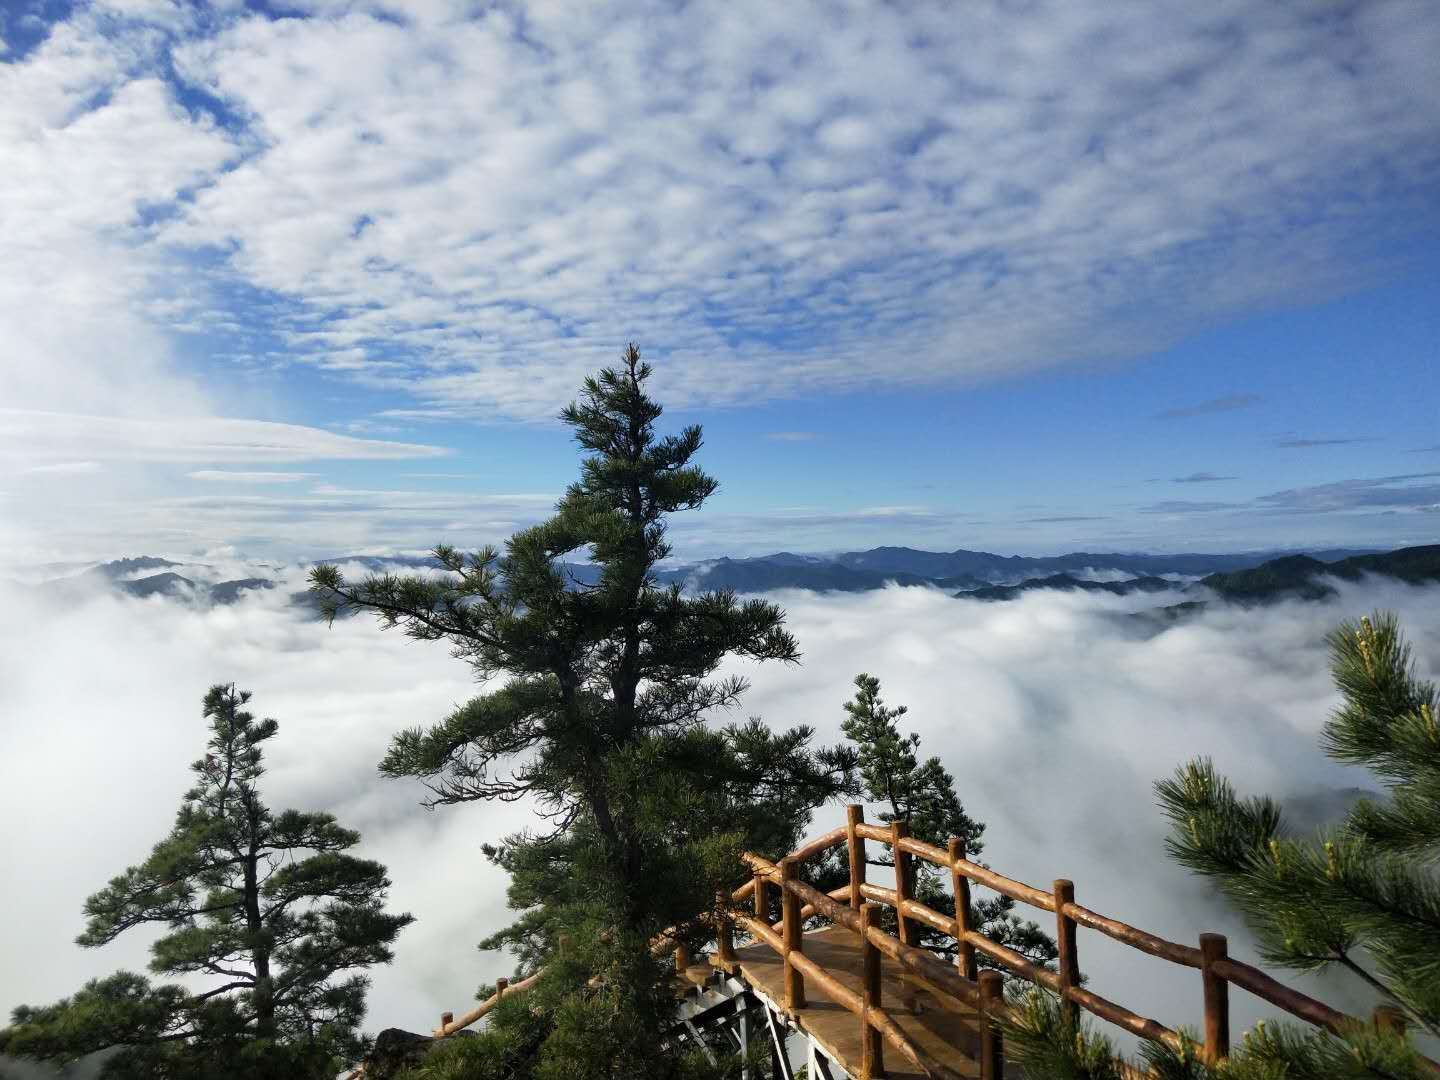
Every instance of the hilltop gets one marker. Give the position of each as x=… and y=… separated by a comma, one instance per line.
x=1303, y=577
x=1289, y=577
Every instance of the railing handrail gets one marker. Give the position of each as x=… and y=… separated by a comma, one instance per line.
x=845, y=906
x=1218, y=973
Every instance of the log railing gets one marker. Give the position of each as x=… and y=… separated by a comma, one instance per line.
x=855, y=907
x=981, y=989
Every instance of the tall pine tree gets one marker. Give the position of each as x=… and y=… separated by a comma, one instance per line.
x=597, y=712
x=266, y=906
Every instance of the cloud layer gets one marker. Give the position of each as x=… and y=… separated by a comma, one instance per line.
x=456, y=207
x=1053, y=712
x=31, y=433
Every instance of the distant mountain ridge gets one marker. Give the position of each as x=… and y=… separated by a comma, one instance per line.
x=115, y=575
x=992, y=567
x=854, y=571
x=1302, y=577
x=1245, y=578
x=1066, y=583
x=1298, y=577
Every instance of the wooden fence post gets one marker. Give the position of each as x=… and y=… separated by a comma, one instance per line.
x=872, y=1053
x=791, y=936
x=1066, y=963
x=501, y=985
x=446, y=1019
x=992, y=1045
x=682, y=958
x=1217, y=999
x=762, y=902
x=899, y=830
x=1389, y=1018
x=960, y=886
x=855, y=850
x=724, y=933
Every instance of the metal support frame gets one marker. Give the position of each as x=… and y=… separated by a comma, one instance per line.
x=778, y=1056
x=728, y=1007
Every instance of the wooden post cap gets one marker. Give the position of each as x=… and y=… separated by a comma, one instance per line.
x=992, y=985
x=446, y=1019
x=1390, y=1018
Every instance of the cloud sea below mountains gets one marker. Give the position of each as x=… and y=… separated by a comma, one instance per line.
x=1054, y=712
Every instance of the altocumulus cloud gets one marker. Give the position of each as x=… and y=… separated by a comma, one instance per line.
x=1054, y=712
x=721, y=174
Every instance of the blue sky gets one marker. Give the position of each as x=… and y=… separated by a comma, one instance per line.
x=301, y=279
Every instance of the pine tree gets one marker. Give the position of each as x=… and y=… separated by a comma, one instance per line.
x=922, y=795
x=1361, y=898
x=265, y=905
x=599, y=718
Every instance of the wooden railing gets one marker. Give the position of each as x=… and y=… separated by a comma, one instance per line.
x=855, y=906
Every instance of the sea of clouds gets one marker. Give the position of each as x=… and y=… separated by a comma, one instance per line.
x=1055, y=713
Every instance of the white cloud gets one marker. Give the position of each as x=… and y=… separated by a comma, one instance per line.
x=338, y=694
x=64, y=468
x=457, y=209
x=135, y=509
x=225, y=476
x=92, y=137
x=321, y=521
x=28, y=432
x=1053, y=715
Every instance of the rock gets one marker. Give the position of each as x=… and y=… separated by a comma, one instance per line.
x=396, y=1049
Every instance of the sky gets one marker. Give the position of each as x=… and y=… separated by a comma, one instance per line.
x=1029, y=704
x=302, y=278
x=290, y=280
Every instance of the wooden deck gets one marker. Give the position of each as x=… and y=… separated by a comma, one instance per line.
x=944, y=1028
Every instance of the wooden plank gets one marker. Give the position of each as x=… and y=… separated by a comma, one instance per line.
x=944, y=1029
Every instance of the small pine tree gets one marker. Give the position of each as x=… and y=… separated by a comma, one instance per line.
x=1361, y=898
x=922, y=795
x=267, y=905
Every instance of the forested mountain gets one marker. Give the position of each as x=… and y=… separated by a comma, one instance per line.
x=956, y=570
x=1009, y=569
x=1066, y=583
x=1302, y=577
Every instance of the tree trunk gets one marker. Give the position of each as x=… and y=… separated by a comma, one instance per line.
x=264, y=988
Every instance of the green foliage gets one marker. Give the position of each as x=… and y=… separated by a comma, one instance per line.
x=1041, y=1043
x=265, y=905
x=1363, y=897
x=597, y=711
x=922, y=794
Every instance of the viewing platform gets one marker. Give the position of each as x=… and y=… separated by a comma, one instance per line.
x=863, y=1002
x=946, y=1030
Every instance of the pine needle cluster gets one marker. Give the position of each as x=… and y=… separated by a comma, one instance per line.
x=1362, y=897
